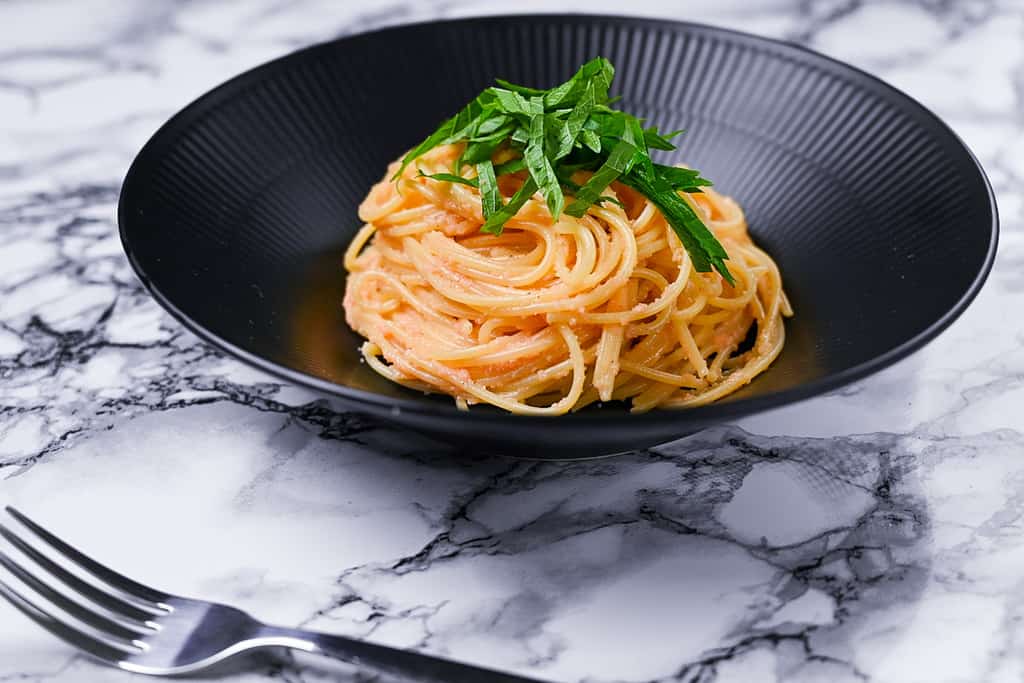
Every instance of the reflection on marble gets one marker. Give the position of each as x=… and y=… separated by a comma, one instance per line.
x=873, y=534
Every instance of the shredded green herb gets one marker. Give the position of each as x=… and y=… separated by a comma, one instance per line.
x=554, y=133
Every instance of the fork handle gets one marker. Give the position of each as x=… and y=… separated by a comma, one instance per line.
x=406, y=663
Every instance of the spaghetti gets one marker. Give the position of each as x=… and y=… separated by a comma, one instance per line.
x=548, y=317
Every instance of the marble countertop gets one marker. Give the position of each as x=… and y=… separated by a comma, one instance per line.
x=875, y=534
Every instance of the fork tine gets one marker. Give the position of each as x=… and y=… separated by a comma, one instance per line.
x=79, y=611
x=84, y=588
x=68, y=634
x=109, y=576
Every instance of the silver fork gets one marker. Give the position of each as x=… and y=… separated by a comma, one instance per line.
x=136, y=628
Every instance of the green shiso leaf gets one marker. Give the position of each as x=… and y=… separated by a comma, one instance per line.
x=552, y=134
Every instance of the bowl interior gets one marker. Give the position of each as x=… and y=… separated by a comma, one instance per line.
x=237, y=212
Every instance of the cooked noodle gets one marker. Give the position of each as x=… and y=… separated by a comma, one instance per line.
x=544, y=319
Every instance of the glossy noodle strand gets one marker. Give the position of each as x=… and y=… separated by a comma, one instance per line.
x=547, y=318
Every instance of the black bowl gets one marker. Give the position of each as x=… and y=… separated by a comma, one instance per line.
x=235, y=214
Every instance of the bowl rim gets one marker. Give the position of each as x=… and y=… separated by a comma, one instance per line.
x=705, y=414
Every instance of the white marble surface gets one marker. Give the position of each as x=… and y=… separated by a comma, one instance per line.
x=876, y=534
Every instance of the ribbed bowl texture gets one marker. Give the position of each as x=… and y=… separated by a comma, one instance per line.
x=237, y=211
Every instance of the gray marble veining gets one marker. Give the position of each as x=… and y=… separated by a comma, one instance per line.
x=874, y=534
